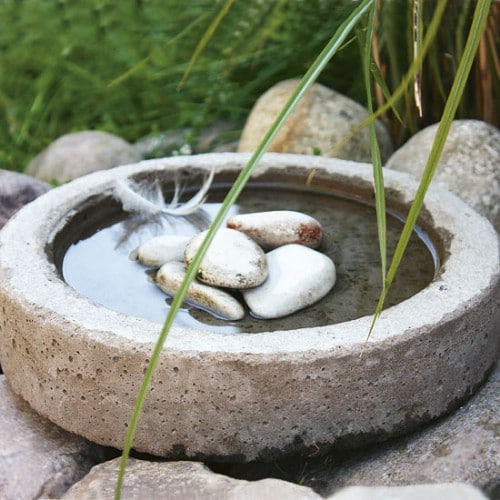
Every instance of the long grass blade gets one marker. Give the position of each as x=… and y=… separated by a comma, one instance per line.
x=400, y=90
x=417, y=42
x=463, y=71
x=309, y=78
x=378, y=175
x=205, y=39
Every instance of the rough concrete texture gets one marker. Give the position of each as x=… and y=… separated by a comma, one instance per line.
x=248, y=396
x=465, y=447
x=38, y=459
x=80, y=153
x=179, y=481
x=468, y=167
x=15, y=191
x=324, y=122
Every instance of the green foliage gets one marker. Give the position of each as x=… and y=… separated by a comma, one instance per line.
x=115, y=66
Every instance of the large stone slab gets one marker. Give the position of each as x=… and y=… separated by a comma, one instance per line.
x=248, y=396
x=194, y=481
x=179, y=481
x=37, y=458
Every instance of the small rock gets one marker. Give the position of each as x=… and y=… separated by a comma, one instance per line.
x=80, y=153
x=169, y=143
x=468, y=167
x=323, y=123
x=233, y=260
x=280, y=227
x=169, y=278
x=16, y=190
x=180, y=481
x=215, y=138
x=298, y=277
x=156, y=251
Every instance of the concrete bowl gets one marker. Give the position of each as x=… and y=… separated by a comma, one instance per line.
x=248, y=396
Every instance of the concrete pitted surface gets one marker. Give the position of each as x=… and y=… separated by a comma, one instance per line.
x=248, y=396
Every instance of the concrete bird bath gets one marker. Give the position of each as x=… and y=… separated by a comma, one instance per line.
x=246, y=396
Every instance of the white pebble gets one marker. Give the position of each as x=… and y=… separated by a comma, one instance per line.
x=156, y=251
x=279, y=227
x=298, y=277
x=169, y=278
x=233, y=260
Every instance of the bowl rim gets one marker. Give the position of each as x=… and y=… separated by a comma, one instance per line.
x=467, y=272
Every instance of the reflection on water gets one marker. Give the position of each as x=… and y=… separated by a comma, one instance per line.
x=99, y=267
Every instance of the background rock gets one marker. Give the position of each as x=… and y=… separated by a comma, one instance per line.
x=468, y=167
x=80, y=153
x=218, y=137
x=37, y=458
x=320, y=124
x=15, y=191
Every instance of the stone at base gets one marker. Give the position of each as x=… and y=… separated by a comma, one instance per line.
x=37, y=458
x=464, y=447
x=180, y=481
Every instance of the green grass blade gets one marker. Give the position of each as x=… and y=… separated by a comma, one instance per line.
x=452, y=103
x=413, y=69
x=378, y=175
x=205, y=39
x=309, y=78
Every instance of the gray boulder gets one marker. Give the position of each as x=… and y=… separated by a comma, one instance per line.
x=80, y=153
x=15, y=191
x=468, y=167
x=323, y=123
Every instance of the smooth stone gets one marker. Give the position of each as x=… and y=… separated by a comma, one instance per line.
x=279, y=227
x=80, y=153
x=322, y=123
x=179, y=481
x=298, y=277
x=16, y=190
x=37, y=458
x=468, y=167
x=233, y=260
x=161, y=249
x=169, y=278
x=452, y=491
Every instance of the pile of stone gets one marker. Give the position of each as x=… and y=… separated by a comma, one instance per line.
x=290, y=277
